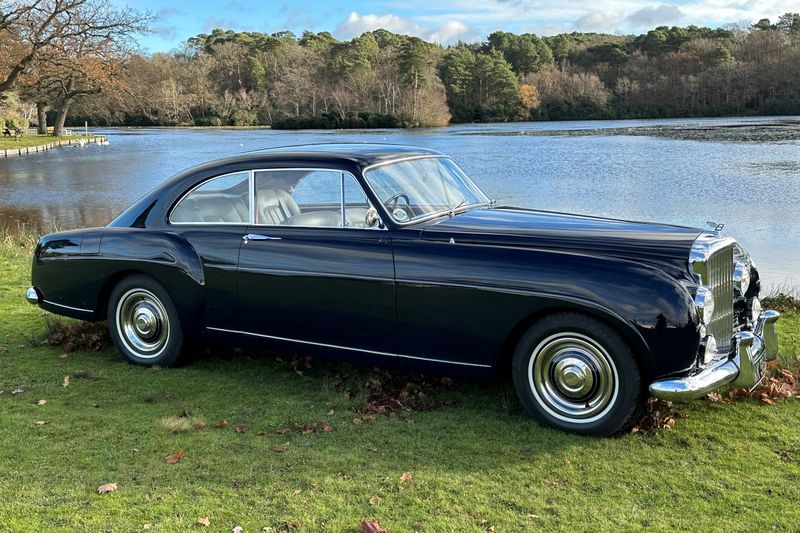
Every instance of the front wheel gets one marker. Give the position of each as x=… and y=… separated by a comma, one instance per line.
x=144, y=322
x=574, y=373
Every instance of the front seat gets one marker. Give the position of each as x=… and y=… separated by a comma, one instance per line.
x=273, y=206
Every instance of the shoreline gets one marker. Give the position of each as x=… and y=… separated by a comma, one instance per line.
x=43, y=147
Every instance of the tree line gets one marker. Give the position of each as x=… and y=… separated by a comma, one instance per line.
x=76, y=60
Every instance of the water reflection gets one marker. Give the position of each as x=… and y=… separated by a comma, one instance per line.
x=753, y=188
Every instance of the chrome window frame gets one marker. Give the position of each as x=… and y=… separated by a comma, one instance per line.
x=379, y=226
x=431, y=215
x=250, y=206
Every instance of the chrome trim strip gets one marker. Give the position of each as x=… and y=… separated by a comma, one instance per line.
x=335, y=346
x=68, y=307
x=302, y=273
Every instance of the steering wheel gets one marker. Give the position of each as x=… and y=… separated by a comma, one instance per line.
x=400, y=214
x=392, y=201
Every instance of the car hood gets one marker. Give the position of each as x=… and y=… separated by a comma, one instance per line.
x=507, y=226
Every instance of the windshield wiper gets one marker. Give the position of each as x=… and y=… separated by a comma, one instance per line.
x=455, y=207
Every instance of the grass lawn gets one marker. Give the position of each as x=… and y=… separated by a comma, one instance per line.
x=481, y=465
x=35, y=140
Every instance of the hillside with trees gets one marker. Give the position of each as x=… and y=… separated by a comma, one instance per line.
x=381, y=79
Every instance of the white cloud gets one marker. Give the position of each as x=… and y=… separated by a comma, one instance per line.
x=447, y=32
x=652, y=16
x=596, y=21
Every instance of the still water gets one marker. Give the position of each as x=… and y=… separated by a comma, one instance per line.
x=754, y=188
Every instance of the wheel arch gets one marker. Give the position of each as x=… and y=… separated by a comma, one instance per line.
x=626, y=331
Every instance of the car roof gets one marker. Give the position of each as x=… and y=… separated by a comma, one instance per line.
x=362, y=154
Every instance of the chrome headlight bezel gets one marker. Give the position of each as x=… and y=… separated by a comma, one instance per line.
x=742, y=269
x=704, y=303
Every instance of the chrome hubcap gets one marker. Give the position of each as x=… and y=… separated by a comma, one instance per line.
x=143, y=323
x=573, y=378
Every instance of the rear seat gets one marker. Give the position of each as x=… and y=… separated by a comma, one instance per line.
x=227, y=208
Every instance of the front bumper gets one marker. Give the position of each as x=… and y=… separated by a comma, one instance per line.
x=744, y=368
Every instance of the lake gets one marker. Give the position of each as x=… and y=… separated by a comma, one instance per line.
x=753, y=188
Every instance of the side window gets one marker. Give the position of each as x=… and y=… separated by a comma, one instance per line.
x=221, y=200
x=317, y=198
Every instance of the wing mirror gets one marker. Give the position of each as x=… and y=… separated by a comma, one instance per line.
x=371, y=219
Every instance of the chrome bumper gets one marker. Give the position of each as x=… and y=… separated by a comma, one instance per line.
x=744, y=368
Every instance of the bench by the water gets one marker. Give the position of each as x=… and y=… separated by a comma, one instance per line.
x=12, y=133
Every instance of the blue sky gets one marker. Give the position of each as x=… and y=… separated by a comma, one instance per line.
x=444, y=21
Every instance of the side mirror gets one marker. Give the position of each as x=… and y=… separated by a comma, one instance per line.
x=371, y=219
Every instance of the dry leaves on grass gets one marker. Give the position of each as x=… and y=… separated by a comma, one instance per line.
x=66, y=381
x=782, y=385
x=204, y=521
x=41, y=402
x=175, y=457
x=372, y=526
x=237, y=529
x=375, y=500
x=221, y=424
x=786, y=456
x=108, y=487
x=16, y=391
x=406, y=477
x=40, y=422
x=240, y=429
x=282, y=448
x=659, y=414
x=85, y=336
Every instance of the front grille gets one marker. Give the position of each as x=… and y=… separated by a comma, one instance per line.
x=719, y=278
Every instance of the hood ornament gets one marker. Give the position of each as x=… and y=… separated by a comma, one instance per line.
x=716, y=228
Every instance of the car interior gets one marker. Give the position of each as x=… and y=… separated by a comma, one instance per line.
x=282, y=197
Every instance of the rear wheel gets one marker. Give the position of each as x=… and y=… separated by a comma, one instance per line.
x=573, y=372
x=144, y=322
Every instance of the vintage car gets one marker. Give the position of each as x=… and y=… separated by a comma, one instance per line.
x=391, y=255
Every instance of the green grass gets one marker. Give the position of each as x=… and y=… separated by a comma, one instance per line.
x=477, y=465
x=35, y=140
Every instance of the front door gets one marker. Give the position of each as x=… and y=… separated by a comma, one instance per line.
x=311, y=270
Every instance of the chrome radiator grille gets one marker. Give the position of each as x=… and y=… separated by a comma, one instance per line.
x=719, y=278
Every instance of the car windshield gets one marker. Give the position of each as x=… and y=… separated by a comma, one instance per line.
x=418, y=188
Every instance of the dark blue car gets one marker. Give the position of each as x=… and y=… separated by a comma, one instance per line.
x=391, y=255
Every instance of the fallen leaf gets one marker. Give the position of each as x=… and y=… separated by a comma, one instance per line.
x=282, y=431
x=40, y=422
x=375, y=500
x=237, y=529
x=221, y=424
x=331, y=413
x=406, y=477
x=766, y=399
x=261, y=433
x=108, y=487
x=240, y=429
x=16, y=391
x=326, y=428
x=147, y=526
x=201, y=424
x=372, y=526
x=357, y=421
x=786, y=456
x=715, y=397
x=297, y=492
x=282, y=448
x=534, y=516
x=66, y=381
x=41, y=402
x=205, y=522
x=175, y=457
x=64, y=355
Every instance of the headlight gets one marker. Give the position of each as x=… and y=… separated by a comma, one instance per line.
x=741, y=276
x=704, y=301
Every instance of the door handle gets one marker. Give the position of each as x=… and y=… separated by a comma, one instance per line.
x=258, y=237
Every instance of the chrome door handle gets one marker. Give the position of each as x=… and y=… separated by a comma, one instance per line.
x=258, y=237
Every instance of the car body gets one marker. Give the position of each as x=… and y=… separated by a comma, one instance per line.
x=390, y=255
